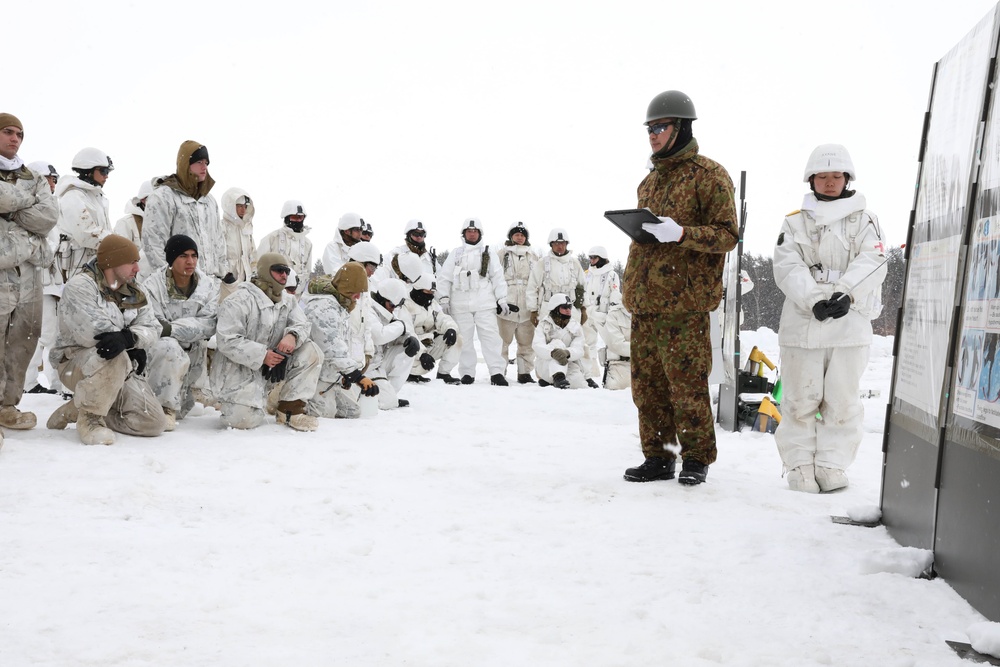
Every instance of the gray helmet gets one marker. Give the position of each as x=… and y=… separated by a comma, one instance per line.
x=671, y=104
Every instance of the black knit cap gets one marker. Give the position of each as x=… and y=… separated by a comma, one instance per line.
x=177, y=245
x=200, y=154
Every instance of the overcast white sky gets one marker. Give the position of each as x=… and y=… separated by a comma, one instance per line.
x=527, y=111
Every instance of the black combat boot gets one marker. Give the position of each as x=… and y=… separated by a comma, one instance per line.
x=417, y=378
x=525, y=378
x=468, y=379
x=499, y=380
x=651, y=470
x=403, y=403
x=592, y=384
x=559, y=381
x=692, y=472
x=447, y=378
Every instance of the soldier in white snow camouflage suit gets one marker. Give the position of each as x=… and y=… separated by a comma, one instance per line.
x=182, y=203
x=185, y=303
x=328, y=306
x=258, y=325
x=28, y=211
x=106, y=326
x=559, y=346
x=437, y=332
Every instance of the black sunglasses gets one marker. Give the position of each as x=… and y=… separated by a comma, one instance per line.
x=281, y=268
x=659, y=128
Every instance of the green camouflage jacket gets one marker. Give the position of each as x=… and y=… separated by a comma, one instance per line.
x=683, y=277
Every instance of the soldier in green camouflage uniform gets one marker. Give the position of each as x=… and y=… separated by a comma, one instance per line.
x=670, y=288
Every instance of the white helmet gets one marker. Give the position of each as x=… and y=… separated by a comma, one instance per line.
x=598, y=251
x=350, y=221
x=410, y=265
x=414, y=224
x=393, y=290
x=558, y=234
x=556, y=300
x=829, y=157
x=145, y=190
x=363, y=251
x=472, y=223
x=43, y=168
x=426, y=281
x=292, y=207
x=90, y=158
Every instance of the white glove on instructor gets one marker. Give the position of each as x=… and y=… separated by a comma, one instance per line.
x=666, y=231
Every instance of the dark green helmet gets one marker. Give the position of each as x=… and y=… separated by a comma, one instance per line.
x=671, y=104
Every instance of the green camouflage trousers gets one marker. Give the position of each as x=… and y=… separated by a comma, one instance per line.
x=671, y=359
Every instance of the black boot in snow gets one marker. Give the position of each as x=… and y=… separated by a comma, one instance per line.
x=468, y=379
x=651, y=470
x=447, y=378
x=559, y=381
x=592, y=384
x=525, y=378
x=498, y=380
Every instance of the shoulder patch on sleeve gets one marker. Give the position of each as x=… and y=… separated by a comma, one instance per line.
x=781, y=238
x=795, y=212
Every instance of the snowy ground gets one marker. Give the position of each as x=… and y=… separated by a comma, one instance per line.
x=481, y=526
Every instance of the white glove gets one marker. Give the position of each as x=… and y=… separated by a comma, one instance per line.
x=445, y=304
x=666, y=231
x=503, y=307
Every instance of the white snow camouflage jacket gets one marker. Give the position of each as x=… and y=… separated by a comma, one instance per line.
x=517, y=261
x=28, y=212
x=600, y=284
x=840, y=237
x=169, y=212
x=553, y=275
x=192, y=320
x=342, y=344
x=83, y=217
x=460, y=282
x=87, y=309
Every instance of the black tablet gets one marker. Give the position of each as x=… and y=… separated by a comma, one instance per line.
x=630, y=221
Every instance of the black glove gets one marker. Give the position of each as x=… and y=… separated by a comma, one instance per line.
x=138, y=355
x=450, y=337
x=838, y=305
x=113, y=343
x=368, y=387
x=277, y=373
x=229, y=279
x=351, y=378
x=819, y=310
x=411, y=346
x=426, y=361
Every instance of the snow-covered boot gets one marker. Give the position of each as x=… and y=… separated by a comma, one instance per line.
x=13, y=418
x=830, y=479
x=171, y=419
x=292, y=414
x=803, y=479
x=66, y=414
x=651, y=470
x=92, y=429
